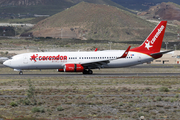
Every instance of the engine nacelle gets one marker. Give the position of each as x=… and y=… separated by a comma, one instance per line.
x=73, y=68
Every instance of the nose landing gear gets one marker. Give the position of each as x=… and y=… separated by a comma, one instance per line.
x=20, y=72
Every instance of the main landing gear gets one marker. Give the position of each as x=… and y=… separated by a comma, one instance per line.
x=87, y=72
x=20, y=72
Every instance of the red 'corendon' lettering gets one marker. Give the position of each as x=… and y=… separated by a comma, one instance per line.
x=58, y=57
x=46, y=58
x=40, y=58
x=61, y=58
x=65, y=57
x=157, y=34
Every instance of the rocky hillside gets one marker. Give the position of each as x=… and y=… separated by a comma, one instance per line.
x=33, y=2
x=142, y=5
x=20, y=2
x=93, y=21
x=165, y=11
x=44, y=6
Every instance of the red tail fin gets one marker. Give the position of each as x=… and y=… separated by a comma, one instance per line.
x=154, y=41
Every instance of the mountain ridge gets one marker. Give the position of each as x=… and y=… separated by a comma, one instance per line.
x=29, y=2
x=54, y=6
x=93, y=21
x=142, y=5
x=50, y=7
x=163, y=11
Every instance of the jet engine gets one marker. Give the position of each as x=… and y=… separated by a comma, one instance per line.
x=72, y=68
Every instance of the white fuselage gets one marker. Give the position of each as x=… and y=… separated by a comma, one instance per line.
x=85, y=61
x=57, y=60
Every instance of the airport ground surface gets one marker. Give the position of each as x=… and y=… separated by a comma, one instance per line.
x=151, y=91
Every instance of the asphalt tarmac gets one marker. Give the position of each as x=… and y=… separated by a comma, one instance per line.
x=97, y=75
x=101, y=74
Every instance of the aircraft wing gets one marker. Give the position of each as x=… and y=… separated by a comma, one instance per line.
x=100, y=63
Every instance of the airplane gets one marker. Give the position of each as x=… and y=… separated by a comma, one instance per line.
x=86, y=61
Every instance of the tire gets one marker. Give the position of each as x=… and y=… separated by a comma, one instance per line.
x=85, y=72
x=90, y=72
x=20, y=73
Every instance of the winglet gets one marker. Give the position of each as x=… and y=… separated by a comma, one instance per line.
x=125, y=53
x=96, y=49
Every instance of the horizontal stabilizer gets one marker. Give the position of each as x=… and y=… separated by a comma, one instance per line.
x=161, y=53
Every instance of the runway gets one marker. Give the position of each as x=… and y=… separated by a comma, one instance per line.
x=124, y=74
x=93, y=75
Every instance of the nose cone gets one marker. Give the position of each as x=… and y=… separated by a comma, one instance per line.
x=7, y=63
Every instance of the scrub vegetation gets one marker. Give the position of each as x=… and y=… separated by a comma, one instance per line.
x=90, y=97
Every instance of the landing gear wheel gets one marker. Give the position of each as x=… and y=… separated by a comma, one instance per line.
x=90, y=72
x=20, y=73
x=85, y=72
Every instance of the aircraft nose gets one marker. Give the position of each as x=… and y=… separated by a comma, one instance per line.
x=7, y=63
